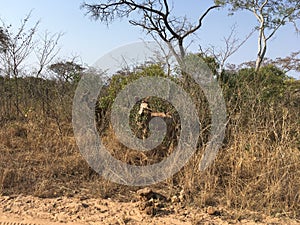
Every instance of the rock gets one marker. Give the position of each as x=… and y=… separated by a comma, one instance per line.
x=211, y=210
x=61, y=218
x=84, y=205
x=147, y=194
x=144, y=205
x=150, y=211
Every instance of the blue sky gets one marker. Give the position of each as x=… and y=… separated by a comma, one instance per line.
x=90, y=39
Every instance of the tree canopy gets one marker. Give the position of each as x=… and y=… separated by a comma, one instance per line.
x=271, y=15
x=154, y=16
x=69, y=71
x=3, y=40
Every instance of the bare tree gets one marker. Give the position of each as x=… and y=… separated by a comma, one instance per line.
x=18, y=47
x=231, y=45
x=285, y=64
x=271, y=15
x=154, y=16
x=47, y=50
x=288, y=63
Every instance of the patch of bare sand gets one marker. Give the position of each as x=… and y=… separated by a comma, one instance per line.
x=29, y=210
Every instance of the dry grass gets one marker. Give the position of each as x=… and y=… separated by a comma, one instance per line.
x=258, y=168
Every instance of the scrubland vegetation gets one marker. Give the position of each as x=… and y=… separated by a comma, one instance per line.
x=256, y=169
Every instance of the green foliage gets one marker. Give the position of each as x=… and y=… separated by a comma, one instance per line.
x=270, y=15
x=268, y=84
x=272, y=81
x=275, y=13
x=68, y=70
x=211, y=62
x=3, y=40
x=253, y=98
x=119, y=81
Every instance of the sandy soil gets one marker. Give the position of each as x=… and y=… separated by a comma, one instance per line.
x=29, y=210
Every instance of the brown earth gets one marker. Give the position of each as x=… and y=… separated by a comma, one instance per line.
x=29, y=210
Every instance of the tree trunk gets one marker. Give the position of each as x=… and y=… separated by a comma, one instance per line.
x=262, y=48
x=260, y=58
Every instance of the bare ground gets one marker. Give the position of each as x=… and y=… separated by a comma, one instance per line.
x=29, y=210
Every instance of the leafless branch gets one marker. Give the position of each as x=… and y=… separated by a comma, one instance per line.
x=156, y=18
x=232, y=45
x=48, y=50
